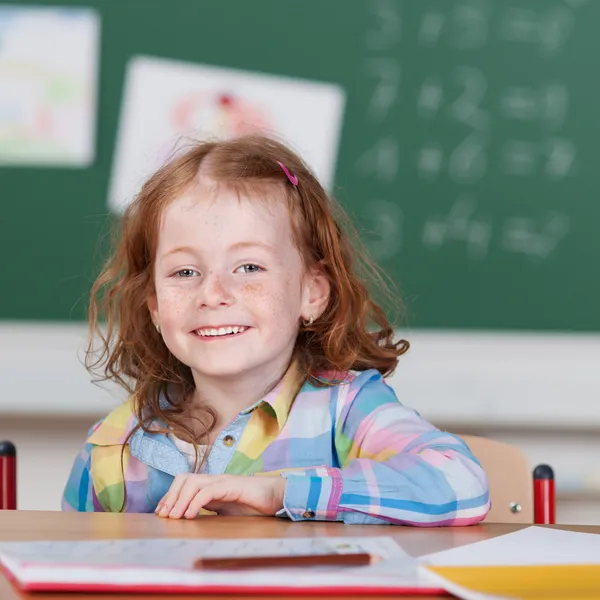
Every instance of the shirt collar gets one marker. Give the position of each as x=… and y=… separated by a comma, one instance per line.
x=115, y=428
x=280, y=399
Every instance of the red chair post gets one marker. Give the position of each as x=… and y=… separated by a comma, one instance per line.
x=544, y=500
x=8, y=476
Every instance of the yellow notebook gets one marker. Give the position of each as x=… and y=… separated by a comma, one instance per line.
x=574, y=582
x=533, y=563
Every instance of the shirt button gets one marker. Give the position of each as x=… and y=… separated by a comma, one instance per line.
x=228, y=440
x=308, y=514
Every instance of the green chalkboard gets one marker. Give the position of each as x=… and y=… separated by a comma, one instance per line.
x=468, y=156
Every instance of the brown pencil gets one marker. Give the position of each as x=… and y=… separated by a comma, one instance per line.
x=269, y=562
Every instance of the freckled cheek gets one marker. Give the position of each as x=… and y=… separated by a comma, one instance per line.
x=278, y=304
x=173, y=304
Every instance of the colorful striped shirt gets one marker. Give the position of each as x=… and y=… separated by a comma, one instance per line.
x=350, y=452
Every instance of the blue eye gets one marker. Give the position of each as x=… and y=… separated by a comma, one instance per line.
x=250, y=268
x=185, y=273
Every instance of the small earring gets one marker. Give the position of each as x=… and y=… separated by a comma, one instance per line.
x=157, y=327
x=310, y=321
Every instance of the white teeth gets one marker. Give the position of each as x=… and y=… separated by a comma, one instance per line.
x=220, y=331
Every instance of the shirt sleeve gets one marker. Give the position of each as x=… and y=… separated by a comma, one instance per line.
x=106, y=478
x=395, y=467
x=79, y=492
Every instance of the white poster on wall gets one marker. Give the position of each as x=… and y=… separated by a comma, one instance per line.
x=48, y=85
x=168, y=103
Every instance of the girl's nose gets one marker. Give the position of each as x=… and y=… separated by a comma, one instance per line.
x=214, y=292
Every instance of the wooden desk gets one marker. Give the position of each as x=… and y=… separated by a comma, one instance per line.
x=31, y=525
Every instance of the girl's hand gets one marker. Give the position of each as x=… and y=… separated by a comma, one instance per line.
x=225, y=494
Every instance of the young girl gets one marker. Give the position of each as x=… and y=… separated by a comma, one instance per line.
x=254, y=358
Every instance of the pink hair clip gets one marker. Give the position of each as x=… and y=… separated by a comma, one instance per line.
x=293, y=178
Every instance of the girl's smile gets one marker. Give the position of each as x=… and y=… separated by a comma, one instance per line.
x=220, y=332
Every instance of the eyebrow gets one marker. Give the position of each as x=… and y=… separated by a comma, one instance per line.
x=238, y=246
x=181, y=250
x=250, y=244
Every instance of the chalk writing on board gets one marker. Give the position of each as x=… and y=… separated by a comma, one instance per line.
x=430, y=98
x=460, y=225
x=386, y=28
x=519, y=157
x=430, y=161
x=381, y=160
x=520, y=103
x=535, y=238
x=555, y=156
x=470, y=21
x=547, y=30
x=466, y=108
x=554, y=103
x=561, y=156
x=386, y=72
x=469, y=26
x=519, y=25
x=465, y=28
x=473, y=127
x=549, y=103
x=468, y=161
x=431, y=28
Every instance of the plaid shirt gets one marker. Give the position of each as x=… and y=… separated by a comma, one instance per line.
x=350, y=452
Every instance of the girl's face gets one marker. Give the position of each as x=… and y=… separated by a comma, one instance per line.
x=230, y=285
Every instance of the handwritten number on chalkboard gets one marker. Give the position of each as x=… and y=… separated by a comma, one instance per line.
x=430, y=98
x=430, y=161
x=519, y=157
x=387, y=73
x=387, y=29
x=466, y=108
x=380, y=160
x=555, y=29
x=548, y=31
x=555, y=103
x=463, y=96
x=460, y=225
x=468, y=161
x=431, y=28
x=561, y=155
x=470, y=24
x=536, y=239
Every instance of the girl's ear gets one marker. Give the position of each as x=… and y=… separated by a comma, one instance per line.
x=315, y=294
x=153, y=308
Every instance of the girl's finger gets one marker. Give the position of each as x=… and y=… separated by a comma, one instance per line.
x=186, y=494
x=191, y=486
x=217, y=491
x=167, y=502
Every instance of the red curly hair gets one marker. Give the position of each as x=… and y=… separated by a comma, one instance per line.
x=353, y=333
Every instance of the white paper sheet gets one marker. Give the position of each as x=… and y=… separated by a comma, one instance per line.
x=530, y=546
x=48, y=85
x=168, y=103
